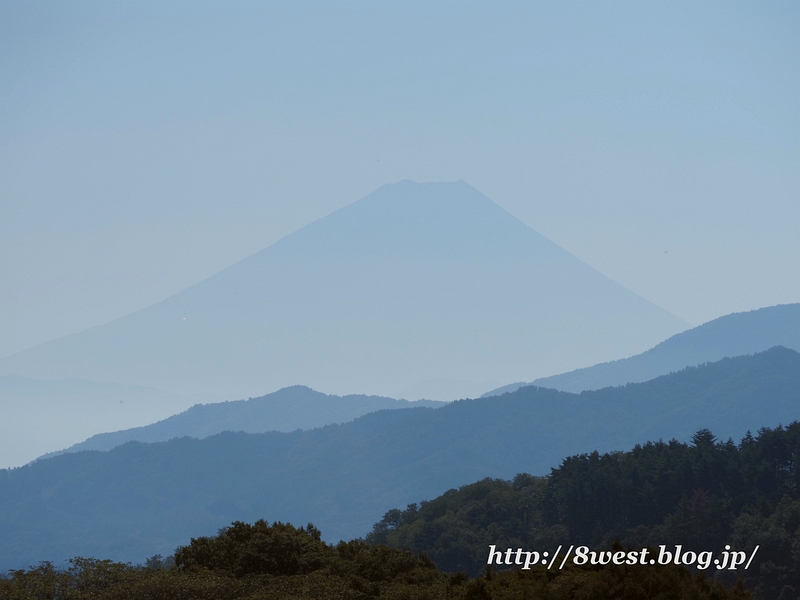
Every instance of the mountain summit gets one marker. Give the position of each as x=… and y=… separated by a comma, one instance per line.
x=412, y=283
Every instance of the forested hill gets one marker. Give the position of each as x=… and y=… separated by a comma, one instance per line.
x=265, y=562
x=141, y=499
x=701, y=495
x=732, y=335
x=296, y=407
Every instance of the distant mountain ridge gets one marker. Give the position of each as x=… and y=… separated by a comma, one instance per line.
x=140, y=499
x=39, y=416
x=732, y=335
x=288, y=409
x=412, y=283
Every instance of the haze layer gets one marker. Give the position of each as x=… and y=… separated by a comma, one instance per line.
x=412, y=283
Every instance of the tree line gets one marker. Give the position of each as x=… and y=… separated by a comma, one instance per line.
x=702, y=495
x=262, y=561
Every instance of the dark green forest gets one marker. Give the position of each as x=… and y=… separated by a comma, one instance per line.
x=702, y=495
x=279, y=561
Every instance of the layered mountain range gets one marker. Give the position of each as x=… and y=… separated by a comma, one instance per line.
x=139, y=499
x=415, y=287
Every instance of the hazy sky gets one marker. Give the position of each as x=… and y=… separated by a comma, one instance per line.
x=145, y=146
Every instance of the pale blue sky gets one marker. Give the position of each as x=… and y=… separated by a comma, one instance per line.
x=145, y=146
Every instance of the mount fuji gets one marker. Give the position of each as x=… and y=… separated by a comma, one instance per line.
x=416, y=282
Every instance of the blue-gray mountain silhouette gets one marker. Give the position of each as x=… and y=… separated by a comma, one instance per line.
x=140, y=499
x=40, y=416
x=732, y=335
x=288, y=409
x=412, y=283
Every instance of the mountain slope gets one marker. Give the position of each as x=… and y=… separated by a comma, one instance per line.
x=415, y=282
x=289, y=409
x=140, y=499
x=732, y=335
x=741, y=495
x=39, y=416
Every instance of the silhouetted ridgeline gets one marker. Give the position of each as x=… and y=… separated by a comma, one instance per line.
x=732, y=335
x=42, y=416
x=140, y=499
x=701, y=495
x=288, y=409
x=268, y=562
